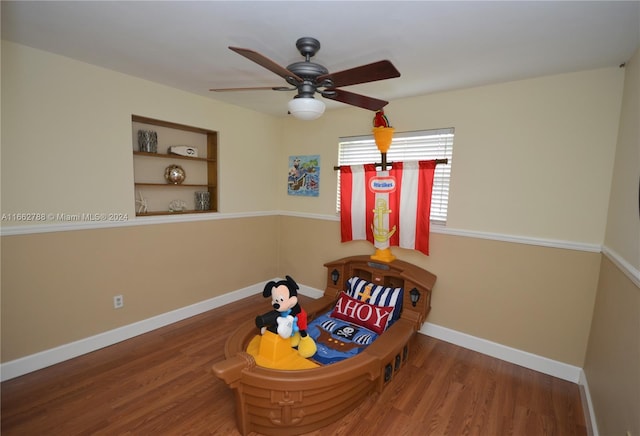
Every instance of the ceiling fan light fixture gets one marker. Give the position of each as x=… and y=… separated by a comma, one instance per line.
x=306, y=108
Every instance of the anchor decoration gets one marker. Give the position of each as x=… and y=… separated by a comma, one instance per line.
x=380, y=233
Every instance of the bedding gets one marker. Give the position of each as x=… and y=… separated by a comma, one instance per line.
x=337, y=339
x=362, y=313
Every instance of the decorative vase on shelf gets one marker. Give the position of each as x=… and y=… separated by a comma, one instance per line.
x=174, y=174
x=203, y=200
x=148, y=141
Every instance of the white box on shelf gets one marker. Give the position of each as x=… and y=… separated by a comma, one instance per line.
x=183, y=150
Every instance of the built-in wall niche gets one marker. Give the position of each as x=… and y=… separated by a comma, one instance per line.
x=154, y=194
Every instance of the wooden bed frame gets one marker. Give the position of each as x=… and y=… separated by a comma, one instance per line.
x=287, y=402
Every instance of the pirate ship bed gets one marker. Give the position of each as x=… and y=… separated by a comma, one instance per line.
x=287, y=402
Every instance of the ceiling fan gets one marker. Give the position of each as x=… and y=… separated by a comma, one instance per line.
x=308, y=77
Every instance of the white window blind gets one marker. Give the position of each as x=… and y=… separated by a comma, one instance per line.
x=407, y=146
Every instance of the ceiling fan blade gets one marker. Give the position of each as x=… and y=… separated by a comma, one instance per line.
x=354, y=99
x=257, y=88
x=380, y=70
x=265, y=62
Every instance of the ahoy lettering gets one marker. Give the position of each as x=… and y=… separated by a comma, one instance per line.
x=368, y=313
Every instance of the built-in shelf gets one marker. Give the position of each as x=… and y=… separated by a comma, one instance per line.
x=149, y=168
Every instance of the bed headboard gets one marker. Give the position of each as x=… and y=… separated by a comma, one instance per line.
x=395, y=274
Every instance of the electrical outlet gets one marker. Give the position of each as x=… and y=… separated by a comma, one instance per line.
x=118, y=302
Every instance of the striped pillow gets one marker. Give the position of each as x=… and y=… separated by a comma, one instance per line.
x=377, y=295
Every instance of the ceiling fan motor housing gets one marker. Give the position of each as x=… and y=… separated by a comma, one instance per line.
x=306, y=69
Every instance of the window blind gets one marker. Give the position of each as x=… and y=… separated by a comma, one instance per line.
x=407, y=146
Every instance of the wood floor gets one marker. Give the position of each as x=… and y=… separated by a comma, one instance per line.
x=160, y=383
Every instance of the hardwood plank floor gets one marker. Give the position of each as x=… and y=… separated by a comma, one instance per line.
x=161, y=383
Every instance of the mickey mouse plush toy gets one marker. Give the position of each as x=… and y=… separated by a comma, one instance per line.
x=287, y=319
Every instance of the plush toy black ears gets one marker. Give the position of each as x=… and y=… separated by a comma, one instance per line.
x=289, y=283
x=292, y=285
x=267, y=289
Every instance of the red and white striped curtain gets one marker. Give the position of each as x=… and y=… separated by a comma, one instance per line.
x=387, y=208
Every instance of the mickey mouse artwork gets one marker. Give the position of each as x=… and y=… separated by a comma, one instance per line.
x=287, y=319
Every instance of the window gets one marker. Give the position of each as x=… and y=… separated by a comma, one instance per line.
x=406, y=146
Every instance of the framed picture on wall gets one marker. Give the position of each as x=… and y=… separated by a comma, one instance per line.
x=304, y=176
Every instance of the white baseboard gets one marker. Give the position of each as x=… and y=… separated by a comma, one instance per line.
x=528, y=360
x=43, y=359
x=589, y=412
x=310, y=292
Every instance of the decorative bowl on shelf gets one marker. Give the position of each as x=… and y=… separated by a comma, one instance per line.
x=174, y=174
x=177, y=206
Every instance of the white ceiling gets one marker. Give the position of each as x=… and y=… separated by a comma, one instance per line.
x=436, y=45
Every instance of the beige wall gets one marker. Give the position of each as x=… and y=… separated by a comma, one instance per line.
x=59, y=287
x=612, y=364
x=532, y=158
x=623, y=225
